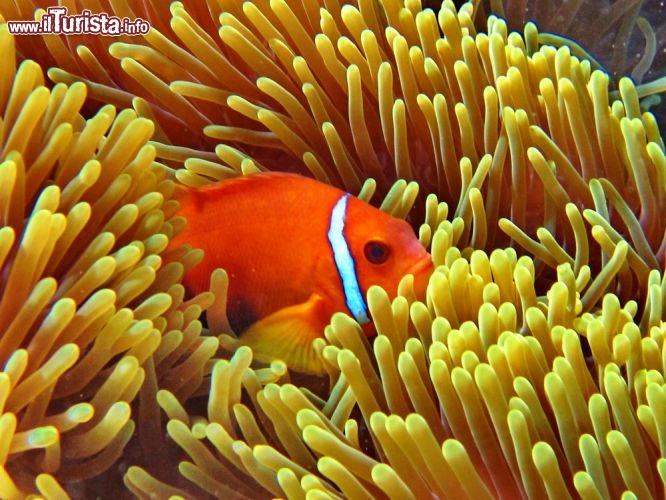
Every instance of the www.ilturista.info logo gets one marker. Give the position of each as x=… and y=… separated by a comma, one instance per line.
x=55, y=21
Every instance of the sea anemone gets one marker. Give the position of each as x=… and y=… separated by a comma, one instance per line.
x=450, y=399
x=535, y=364
x=92, y=317
x=390, y=91
x=625, y=36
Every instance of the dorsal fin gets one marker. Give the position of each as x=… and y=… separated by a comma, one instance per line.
x=242, y=182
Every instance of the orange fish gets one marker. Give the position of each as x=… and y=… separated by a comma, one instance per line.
x=296, y=251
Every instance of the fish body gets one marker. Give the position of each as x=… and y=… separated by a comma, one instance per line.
x=296, y=251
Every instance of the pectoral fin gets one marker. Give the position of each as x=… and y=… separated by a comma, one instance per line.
x=287, y=334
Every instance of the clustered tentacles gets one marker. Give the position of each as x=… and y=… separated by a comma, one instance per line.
x=535, y=364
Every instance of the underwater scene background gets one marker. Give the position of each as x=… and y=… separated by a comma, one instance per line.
x=533, y=175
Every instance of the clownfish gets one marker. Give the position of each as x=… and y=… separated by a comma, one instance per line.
x=296, y=251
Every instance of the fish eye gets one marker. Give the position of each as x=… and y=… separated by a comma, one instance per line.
x=377, y=252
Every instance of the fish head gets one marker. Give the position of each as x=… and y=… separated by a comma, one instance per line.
x=385, y=249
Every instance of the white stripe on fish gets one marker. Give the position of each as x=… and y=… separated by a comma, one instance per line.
x=345, y=262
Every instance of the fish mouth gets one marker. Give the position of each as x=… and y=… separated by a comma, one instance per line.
x=423, y=264
x=421, y=271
